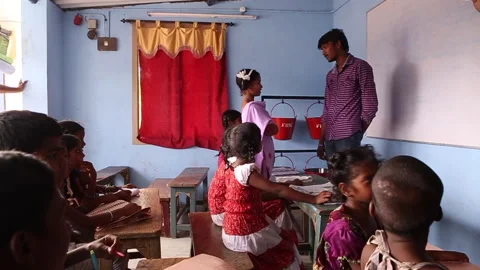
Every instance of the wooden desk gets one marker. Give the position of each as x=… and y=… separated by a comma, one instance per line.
x=319, y=215
x=207, y=239
x=144, y=235
x=158, y=264
x=107, y=175
x=186, y=182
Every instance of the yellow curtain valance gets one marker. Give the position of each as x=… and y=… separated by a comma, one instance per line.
x=175, y=37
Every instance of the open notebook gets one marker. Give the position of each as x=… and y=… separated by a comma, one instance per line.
x=140, y=215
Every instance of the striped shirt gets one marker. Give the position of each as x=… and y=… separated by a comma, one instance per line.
x=350, y=98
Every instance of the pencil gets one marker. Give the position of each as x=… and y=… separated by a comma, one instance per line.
x=94, y=259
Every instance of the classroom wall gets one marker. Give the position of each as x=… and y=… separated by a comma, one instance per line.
x=55, y=71
x=281, y=44
x=42, y=49
x=459, y=229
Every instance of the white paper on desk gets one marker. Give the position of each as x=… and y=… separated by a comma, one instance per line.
x=288, y=178
x=134, y=191
x=313, y=189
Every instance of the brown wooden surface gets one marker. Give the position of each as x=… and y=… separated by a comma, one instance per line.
x=162, y=185
x=207, y=239
x=108, y=174
x=190, y=177
x=158, y=264
x=147, y=228
x=164, y=192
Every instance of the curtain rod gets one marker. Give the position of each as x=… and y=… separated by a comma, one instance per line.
x=152, y=21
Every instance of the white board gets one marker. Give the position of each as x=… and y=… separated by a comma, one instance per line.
x=426, y=60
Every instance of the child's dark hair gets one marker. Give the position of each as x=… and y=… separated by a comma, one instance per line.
x=242, y=141
x=26, y=131
x=26, y=194
x=71, y=127
x=230, y=116
x=225, y=148
x=70, y=141
x=341, y=164
x=407, y=195
x=334, y=36
x=245, y=84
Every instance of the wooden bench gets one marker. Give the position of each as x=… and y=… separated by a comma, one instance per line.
x=164, y=191
x=186, y=182
x=207, y=239
x=107, y=175
x=158, y=264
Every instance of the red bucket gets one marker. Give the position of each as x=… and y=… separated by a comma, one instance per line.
x=285, y=125
x=314, y=124
x=318, y=171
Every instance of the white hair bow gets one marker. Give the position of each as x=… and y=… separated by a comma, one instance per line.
x=243, y=75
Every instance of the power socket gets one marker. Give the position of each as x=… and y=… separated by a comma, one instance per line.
x=107, y=44
x=92, y=24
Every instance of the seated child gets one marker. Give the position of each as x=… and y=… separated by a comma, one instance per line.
x=406, y=201
x=34, y=234
x=89, y=174
x=216, y=192
x=230, y=118
x=246, y=228
x=350, y=225
x=73, y=188
x=41, y=135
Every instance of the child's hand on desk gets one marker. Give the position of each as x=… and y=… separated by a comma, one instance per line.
x=296, y=182
x=323, y=197
x=105, y=247
x=129, y=186
x=123, y=195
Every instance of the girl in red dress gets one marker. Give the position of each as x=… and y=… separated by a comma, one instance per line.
x=216, y=192
x=246, y=228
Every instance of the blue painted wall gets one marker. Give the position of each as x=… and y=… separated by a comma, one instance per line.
x=459, y=229
x=42, y=57
x=281, y=44
x=55, y=70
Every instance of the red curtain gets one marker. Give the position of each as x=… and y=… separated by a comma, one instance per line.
x=182, y=100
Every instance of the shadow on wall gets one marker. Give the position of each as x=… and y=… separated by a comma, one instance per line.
x=403, y=92
x=467, y=239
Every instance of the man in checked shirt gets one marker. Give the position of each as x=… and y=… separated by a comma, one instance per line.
x=350, y=96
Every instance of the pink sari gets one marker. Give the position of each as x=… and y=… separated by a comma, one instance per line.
x=255, y=112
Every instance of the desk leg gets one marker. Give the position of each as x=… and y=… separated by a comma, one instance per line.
x=166, y=217
x=321, y=223
x=193, y=199
x=173, y=213
x=205, y=193
x=311, y=240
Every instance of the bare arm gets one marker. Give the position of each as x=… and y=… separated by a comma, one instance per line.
x=6, y=89
x=271, y=130
x=366, y=253
x=283, y=191
x=83, y=221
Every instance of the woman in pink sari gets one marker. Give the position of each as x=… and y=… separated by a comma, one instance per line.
x=250, y=84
